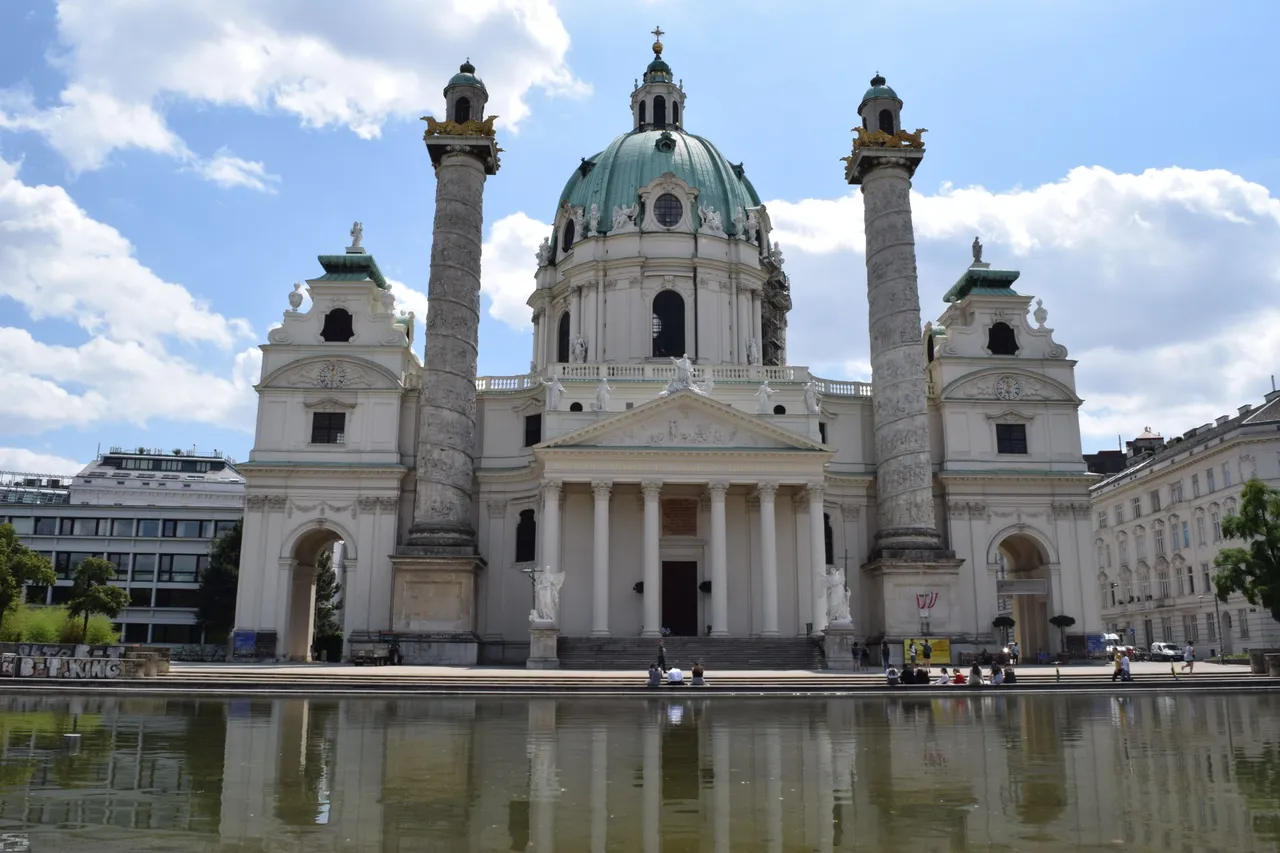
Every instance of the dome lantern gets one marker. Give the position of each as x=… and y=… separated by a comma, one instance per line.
x=657, y=102
x=881, y=108
x=465, y=96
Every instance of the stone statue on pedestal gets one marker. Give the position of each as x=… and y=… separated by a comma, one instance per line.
x=683, y=380
x=578, y=349
x=753, y=352
x=763, y=396
x=977, y=250
x=357, y=234
x=602, y=397
x=593, y=221
x=546, y=596
x=837, y=596
x=812, y=403
x=554, y=392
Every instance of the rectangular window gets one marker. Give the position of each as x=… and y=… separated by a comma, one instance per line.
x=1011, y=438
x=1182, y=590
x=37, y=594
x=78, y=557
x=149, y=527
x=221, y=527
x=1191, y=627
x=1211, y=628
x=178, y=529
x=1175, y=492
x=1124, y=550
x=1204, y=571
x=177, y=597
x=23, y=525
x=1137, y=507
x=1217, y=526
x=85, y=527
x=1119, y=514
x=206, y=530
x=822, y=432
x=1208, y=479
x=1159, y=541
x=1140, y=541
x=121, y=562
x=1195, y=485
x=60, y=594
x=328, y=428
x=1166, y=629
x=1102, y=519
x=1108, y=555
x=1200, y=530
x=62, y=564
x=1155, y=500
x=1174, y=537
x=66, y=526
x=532, y=430
x=1191, y=580
x=181, y=568
x=175, y=633
x=122, y=527
x=136, y=632
x=140, y=596
x=1242, y=618
x=1226, y=475
x=144, y=568
x=1186, y=535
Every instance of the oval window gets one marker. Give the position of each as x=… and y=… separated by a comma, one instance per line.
x=668, y=210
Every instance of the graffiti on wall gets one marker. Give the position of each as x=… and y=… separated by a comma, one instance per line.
x=71, y=669
x=62, y=650
x=206, y=652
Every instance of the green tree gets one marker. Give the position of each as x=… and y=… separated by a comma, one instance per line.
x=1062, y=622
x=19, y=566
x=217, y=609
x=327, y=603
x=91, y=591
x=1254, y=569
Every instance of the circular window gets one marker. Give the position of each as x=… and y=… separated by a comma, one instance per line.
x=575, y=407
x=779, y=410
x=668, y=210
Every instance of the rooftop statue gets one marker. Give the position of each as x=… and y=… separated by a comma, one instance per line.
x=357, y=234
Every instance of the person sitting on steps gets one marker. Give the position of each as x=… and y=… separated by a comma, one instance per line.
x=675, y=678
x=655, y=675
x=698, y=672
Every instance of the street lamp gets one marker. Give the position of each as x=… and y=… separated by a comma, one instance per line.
x=1217, y=616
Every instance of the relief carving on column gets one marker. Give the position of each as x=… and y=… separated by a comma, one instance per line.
x=717, y=489
x=255, y=502
x=850, y=512
x=769, y=490
x=651, y=488
x=388, y=504
x=497, y=507
x=602, y=489
x=367, y=503
x=277, y=503
x=957, y=509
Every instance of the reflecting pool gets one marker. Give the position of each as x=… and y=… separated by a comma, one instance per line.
x=658, y=775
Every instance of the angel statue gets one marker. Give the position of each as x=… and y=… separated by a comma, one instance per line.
x=578, y=350
x=763, y=396
x=977, y=250
x=837, y=596
x=602, y=396
x=753, y=352
x=593, y=221
x=622, y=216
x=554, y=392
x=812, y=403
x=546, y=596
x=357, y=234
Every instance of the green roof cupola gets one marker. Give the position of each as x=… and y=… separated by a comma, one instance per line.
x=657, y=102
x=465, y=96
x=881, y=108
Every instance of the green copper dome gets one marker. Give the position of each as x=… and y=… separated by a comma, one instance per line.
x=613, y=177
x=878, y=90
x=466, y=76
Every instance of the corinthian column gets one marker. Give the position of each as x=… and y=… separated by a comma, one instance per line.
x=601, y=489
x=652, y=566
x=719, y=561
x=904, y=470
x=447, y=414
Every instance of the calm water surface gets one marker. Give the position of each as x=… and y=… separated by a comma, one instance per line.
x=1173, y=773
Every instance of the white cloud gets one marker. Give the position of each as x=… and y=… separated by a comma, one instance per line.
x=1160, y=283
x=331, y=64
x=409, y=299
x=508, y=267
x=228, y=171
x=33, y=462
x=58, y=263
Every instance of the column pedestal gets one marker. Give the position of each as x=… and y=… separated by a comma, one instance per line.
x=837, y=644
x=542, y=646
x=896, y=577
x=433, y=609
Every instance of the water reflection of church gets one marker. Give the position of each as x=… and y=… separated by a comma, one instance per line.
x=916, y=773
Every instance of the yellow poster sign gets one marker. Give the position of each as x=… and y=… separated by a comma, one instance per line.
x=941, y=649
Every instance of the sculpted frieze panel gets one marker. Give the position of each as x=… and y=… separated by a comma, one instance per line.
x=683, y=428
x=1007, y=386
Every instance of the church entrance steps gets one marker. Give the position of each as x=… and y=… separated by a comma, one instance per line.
x=718, y=654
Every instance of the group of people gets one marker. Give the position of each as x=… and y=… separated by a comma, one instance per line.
x=673, y=675
x=920, y=675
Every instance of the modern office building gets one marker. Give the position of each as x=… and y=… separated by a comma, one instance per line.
x=153, y=514
x=1158, y=527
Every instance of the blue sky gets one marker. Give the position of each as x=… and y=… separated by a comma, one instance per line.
x=167, y=170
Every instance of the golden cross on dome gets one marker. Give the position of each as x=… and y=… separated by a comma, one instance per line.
x=657, y=33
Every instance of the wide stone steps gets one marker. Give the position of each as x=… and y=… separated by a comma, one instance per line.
x=719, y=654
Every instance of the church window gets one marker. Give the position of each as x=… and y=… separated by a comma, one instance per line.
x=575, y=407
x=337, y=327
x=668, y=210
x=779, y=410
x=532, y=430
x=675, y=113
x=526, y=537
x=822, y=432
x=659, y=111
x=568, y=236
x=886, y=121
x=328, y=427
x=929, y=348
x=1001, y=340
x=642, y=116
x=668, y=324
x=562, y=339
x=828, y=540
x=1011, y=438
x=462, y=110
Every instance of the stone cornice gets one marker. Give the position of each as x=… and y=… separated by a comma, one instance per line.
x=1146, y=475
x=508, y=475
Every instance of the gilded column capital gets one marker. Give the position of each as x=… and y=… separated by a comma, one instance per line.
x=602, y=489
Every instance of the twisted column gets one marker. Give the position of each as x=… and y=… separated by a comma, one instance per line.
x=447, y=414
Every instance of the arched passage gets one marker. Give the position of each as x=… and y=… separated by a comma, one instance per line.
x=304, y=556
x=1026, y=561
x=562, y=339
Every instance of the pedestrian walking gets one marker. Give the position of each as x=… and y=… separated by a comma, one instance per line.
x=1189, y=657
x=857, y=656
x=662, y=656
x=866, y=657
x=884, y=654
x=928, y=655
x=1013, y=652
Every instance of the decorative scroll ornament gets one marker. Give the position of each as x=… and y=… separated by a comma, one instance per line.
x=454, y=128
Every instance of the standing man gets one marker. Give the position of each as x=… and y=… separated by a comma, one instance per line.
x=1013, y=652
x=884, y=654
x=928, y=655
x=913, y=652
x=857, y=656
x=1189, y=657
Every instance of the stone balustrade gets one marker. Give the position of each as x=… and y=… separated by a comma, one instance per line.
x=666, y=372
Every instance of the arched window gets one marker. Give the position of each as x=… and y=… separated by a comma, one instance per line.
x=642, y=116
x=1144, y=582
x=526, y=538
x=827, y=540
x=562, y=339
x=575, y=407
x=675, y=113
x=337, y=326
x=779, y=410
x=668, y=324
x=568, y=235
x=659, y=111
x=929, y=348
x=462, y=110
x=886, y=121
x=1001, y=340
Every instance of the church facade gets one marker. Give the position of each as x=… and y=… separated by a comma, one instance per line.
x=662, y=467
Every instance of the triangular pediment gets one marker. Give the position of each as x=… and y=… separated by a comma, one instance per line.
x=685, y=421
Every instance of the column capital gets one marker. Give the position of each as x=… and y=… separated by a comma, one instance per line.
x=815, y=492
x=651, y=488
x=601, y=489
x=850, y=512
x=717, y=489
x=497, y=507
x=767, y=491
x=552, y=488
